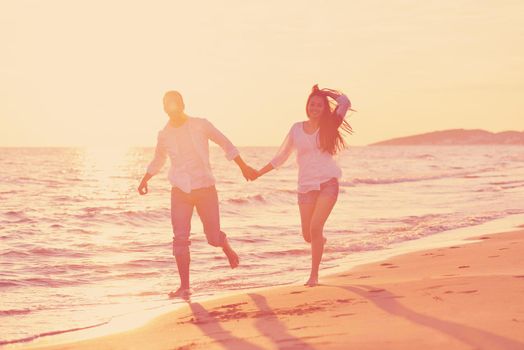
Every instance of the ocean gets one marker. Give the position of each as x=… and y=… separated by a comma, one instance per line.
x=80, y=247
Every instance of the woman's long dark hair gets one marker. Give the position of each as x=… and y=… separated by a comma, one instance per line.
x=331, y=125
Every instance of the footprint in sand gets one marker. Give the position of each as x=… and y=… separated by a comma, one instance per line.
x=230, y=306
x=462, y=291
x=344, y=301
x=434, y=287
x=389, y=265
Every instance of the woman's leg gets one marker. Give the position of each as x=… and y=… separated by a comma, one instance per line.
x=306, y=212
x=324, y=203
x=323, y=208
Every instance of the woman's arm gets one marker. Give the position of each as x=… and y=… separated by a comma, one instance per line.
x=343, y=103
x=282, y=155
x=265, y=169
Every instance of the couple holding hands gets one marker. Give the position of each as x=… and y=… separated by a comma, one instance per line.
x=185, y=140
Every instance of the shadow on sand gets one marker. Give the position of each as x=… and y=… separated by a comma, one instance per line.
x=266, y=322
x=475, y=337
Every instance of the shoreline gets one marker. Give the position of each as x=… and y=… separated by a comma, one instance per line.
x=266, y=295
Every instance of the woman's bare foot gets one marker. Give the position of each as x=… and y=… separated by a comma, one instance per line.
x=183, y=293
x=312, y=281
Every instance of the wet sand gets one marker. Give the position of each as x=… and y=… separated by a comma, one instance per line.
x=468, y=296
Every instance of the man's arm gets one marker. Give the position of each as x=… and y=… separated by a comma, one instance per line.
x=220, y=139
x=155, y=166
x=248, y=172
x=142, y=188
x=231, y=151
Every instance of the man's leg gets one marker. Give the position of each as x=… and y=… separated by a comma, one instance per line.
x=181, y=212
x=206, y=202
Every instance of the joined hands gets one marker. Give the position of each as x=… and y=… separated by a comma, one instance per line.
x=250, y=174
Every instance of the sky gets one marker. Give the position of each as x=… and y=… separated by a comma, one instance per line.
x=93, y=73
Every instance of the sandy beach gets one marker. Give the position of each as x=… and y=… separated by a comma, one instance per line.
x=307, y=175
x=468, y=296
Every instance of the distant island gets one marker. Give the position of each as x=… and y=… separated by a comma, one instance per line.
x=458, y=137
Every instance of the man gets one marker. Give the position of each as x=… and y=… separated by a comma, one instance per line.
x=185, y=140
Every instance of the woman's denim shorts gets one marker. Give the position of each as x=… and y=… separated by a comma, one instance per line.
x=329, y=188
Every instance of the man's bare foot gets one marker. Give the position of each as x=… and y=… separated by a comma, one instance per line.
x=231, y=255
x=183, y=293
x=312, y=281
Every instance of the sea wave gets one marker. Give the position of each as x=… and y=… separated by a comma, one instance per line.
x=106, y=215
x=14, y=312
x=85, y=238
x=258, y=198
x=44, y=334
x=401, y=179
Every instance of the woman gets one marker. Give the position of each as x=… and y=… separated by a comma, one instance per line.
x=316, y=141
x=185, y=140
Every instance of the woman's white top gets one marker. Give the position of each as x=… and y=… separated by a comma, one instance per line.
x=188, y=148
x=315, y=166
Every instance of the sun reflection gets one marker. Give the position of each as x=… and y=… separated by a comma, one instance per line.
x=103, y=164
x=109, y=177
